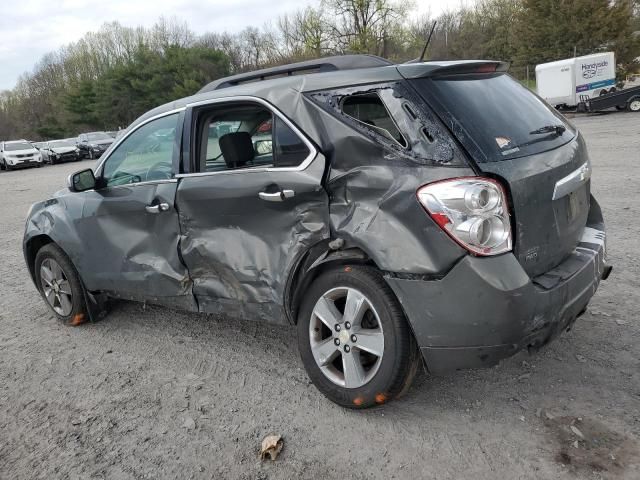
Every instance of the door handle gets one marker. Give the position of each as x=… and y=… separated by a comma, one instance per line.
x=160, y=207
x=277, y=196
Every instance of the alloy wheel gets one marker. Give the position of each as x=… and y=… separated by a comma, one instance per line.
x=634, y=106
x=56, y=287
x=347, y=341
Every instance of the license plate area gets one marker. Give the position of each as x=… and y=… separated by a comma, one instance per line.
x=572, y=208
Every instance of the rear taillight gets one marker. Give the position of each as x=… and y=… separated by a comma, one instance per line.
x=472, y=210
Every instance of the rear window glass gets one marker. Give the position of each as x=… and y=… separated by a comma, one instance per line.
x=500, y=117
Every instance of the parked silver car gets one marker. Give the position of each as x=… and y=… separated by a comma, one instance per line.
x=57, y=151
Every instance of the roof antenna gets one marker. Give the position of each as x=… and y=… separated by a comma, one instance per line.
x=424, y=50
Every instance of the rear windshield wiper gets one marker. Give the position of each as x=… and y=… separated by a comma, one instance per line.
x=552, y=132
x=557, y=129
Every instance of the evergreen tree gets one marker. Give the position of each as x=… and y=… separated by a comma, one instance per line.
x=555, y=29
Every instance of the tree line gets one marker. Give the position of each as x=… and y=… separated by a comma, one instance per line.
x=109, y=77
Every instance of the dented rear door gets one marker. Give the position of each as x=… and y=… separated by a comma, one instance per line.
x=243, y=231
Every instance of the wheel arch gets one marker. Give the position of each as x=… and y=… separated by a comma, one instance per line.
x=31, y=248
x=95, y=302
x=317, y=259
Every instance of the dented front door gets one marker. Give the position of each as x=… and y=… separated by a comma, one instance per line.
x=130, y=235
x=129, y=225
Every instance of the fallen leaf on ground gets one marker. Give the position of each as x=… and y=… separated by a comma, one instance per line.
x=271, y=445
x=575, y=430
x=189, y=423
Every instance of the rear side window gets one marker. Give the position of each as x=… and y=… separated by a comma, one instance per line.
x=500, y=118
x=396, y=118
x=369, y=109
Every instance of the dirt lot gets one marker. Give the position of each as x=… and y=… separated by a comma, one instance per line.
x=152, y=393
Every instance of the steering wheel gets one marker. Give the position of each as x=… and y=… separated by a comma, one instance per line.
x=159, y=171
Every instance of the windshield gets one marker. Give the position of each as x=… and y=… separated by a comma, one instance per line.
x=12, y=147
x=98, y=136
x=61, y=143
x=497, y=115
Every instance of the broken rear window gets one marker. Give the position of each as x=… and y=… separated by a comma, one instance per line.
x=395, y=117
x=369, y=109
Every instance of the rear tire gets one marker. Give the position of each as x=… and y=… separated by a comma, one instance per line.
x=60, y=285
x=634, y=105
x=341, y=362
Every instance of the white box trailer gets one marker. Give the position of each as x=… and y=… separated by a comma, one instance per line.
x=566, y=82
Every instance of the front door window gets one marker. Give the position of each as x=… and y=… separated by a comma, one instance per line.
x=144, y=156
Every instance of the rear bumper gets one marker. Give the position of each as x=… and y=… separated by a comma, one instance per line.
x=487, y=309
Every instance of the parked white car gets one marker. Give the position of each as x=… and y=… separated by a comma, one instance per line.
x=19, y=154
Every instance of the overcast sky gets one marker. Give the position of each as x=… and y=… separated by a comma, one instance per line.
x=31, y=28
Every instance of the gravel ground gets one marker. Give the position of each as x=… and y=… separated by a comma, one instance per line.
x=153, y=393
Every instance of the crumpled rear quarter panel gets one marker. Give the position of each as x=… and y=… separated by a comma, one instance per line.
x=372, y=195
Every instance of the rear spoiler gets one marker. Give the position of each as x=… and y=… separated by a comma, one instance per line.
x=434, y=69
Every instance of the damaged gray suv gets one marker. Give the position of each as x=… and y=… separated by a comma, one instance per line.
x=432, y=212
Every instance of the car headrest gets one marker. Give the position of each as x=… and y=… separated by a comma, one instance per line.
x=237, y=149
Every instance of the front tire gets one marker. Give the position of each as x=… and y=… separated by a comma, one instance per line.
x=354, y=340
x=60, y=285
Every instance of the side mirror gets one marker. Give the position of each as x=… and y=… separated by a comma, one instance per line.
x=81, y=181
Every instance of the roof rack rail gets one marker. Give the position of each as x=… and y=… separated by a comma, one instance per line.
x=319, y=65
